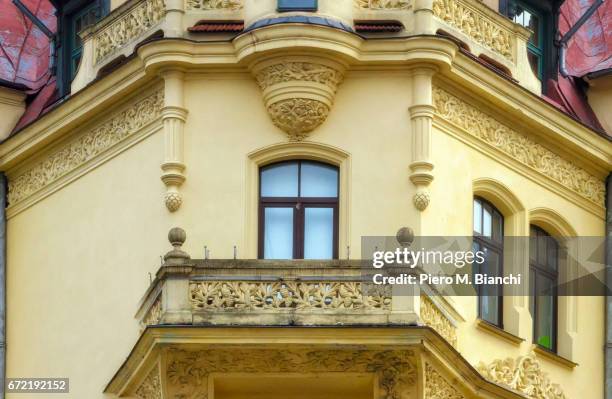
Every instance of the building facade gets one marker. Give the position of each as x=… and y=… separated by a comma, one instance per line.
x=186, y=220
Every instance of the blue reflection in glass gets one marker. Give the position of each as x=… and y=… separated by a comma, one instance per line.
x=319, y=180
x=278, y=233
x=280, y=180
x=318, y=233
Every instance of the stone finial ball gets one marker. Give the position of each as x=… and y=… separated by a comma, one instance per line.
x=177, y=236
x=405, y=236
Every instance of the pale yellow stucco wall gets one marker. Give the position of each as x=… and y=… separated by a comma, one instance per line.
x=600, y=98
x=78, y=261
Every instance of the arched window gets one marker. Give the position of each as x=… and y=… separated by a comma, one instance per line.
x=298, y=211
x=489, y=238
x=543, y=277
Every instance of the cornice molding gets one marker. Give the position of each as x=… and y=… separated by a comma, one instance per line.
x=495, y=135
x=84, y=151
x=530, y=111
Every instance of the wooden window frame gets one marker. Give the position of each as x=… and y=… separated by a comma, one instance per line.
x=497, y=247
x=299, y=205
x=544, y=270
x=548, y=51
x=64, y=43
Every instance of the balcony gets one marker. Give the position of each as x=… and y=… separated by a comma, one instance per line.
x=211, y=292
x=483, y=32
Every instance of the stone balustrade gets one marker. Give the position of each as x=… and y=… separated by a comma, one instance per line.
x=484, y=31
x=278, y=292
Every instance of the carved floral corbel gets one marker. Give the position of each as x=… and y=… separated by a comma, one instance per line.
x=173, y=117
x=298, y=92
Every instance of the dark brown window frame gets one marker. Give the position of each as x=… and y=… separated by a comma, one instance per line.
x=299, y=205
x=543, y=270
x=492, y=245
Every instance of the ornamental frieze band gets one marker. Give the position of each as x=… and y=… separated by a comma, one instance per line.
x=85, y=147
x=518, y=146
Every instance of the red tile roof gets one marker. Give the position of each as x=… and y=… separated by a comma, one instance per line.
x=217, y=26
x=24, y=49
x=590, y=49
x=378, y=26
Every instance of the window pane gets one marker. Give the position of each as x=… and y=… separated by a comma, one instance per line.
x=533, y=244
x=542, y=243
x=280, y=180
x=292, y=5
x=489, y=306
x=497, y=228
x=486, y=221
x=490, y=295
x=553, y=253
x=533, y=23
x=278, y=233
x=477, y=217
x=319, y=180
x=319, y=233
x=545, y=320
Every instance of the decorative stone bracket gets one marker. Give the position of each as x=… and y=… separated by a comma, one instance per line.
x=298, y=92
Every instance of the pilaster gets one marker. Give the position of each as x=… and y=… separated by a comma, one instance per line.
x=174, y=116
x=421, y=115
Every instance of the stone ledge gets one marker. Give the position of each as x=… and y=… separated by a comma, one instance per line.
x=498, y=332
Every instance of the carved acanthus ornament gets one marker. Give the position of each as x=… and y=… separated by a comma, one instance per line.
x=151, y=386
x=476, y=25
x=188, y=371
x=384, y=4
x=86, y=147
x=232, y=5
x=154, y=314
x=127, y=27
x=436, y=387
x=284, y=295
x=431, y=316
x=298, y=93
x=523, y=149
x=525, y=375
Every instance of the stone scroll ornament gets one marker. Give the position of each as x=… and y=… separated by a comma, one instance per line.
x=298, y=92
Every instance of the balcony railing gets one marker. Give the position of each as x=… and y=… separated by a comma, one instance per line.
x=283, y=293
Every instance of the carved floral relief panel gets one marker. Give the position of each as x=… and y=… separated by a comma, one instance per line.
x=436, y=387
x=432, y=316
x=127, y=27
x=188, y=371
x=476, y=25
x=518, y=146
x=231, y=5
x=383, y=4
x=217, y=295
x=523, y=374
x=150, y=388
